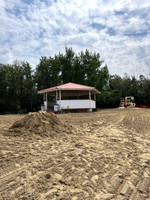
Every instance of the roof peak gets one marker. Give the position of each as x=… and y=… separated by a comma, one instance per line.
x=74, y=84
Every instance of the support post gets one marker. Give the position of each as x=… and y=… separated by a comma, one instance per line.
x=43, y=105
x=90, y=95
x=46, y=105
x=95, y=100
x=59, y=94
x=90, y=100
x=60, y=99
x=56, y=95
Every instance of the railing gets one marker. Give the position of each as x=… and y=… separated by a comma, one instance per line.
x=76, y=103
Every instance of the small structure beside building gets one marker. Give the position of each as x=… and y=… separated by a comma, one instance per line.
x=69, y=96
x=127, y=102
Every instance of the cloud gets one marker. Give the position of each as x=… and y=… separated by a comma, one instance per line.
x=118, y=30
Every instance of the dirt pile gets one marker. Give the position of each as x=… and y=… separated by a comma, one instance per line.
x=39, y=123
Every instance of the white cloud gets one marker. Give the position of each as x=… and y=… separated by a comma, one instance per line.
x=33, y=29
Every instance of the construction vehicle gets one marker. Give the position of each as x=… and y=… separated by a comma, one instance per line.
x=127, y=102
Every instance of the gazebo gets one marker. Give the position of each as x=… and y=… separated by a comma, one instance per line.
x=69, y=96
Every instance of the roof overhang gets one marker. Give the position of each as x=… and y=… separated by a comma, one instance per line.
x=67, y=88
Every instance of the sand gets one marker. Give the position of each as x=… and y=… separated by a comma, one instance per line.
x=101, y=155
x=38, y=123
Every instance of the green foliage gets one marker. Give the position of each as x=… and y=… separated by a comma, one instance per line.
x=84, y=68
x=17, y=88
x=126, y=86
x=19, y=84
x=67, y=63
x=3, y=88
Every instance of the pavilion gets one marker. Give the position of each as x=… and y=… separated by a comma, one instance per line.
x=69, y=96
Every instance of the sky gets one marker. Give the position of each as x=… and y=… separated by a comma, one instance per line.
x=119, y=30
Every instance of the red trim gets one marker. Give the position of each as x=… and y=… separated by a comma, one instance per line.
x=77, y=99
x=49, y=111
x=78, y=108
x=143, y=106
x=59, y=112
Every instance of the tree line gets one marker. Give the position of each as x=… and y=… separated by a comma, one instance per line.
x=19, y=83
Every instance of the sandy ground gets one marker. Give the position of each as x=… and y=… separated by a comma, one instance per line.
x=105, y=156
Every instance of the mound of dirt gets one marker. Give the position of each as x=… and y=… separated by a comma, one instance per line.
x=39, y=123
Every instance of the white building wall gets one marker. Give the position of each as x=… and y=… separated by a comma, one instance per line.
x=93, y=104
x=45, y=105
x=76, y=104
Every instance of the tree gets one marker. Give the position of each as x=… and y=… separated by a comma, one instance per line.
x=78, y=71
x=17, y=87
x=3, y=89
x=90, y=64
x=19, y=84
x=67, y=62
x=48, y=72
x=28, y=87
x=110, y=97
x=42, y=73
x=143, y=90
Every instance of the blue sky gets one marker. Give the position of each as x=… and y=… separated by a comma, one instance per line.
x=117, y=29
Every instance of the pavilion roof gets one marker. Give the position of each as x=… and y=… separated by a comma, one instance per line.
x=70, y=87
